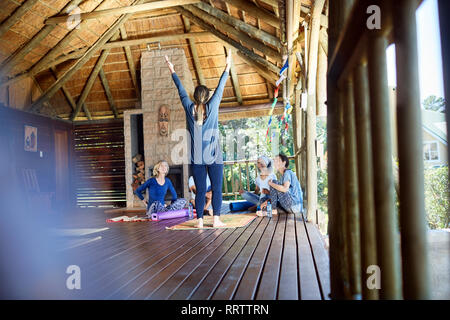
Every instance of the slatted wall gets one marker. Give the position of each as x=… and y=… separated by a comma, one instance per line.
x=100, y=164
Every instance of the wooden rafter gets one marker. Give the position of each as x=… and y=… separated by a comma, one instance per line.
x=255, y=11
x=232, y=31
x=108, y=93
x=130, y=61
x=235, y=80
x=243, y=51
x=30, y=45
x=16, y=15
x=241, y=25
x=69, y=98
x=80, y=62
x=193, y=47
x=123, y=10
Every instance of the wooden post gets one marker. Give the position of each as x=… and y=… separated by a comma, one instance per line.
x=388, y=250
x=416, y=278
x=351, y=193
x=365, y=178
x=311, y=112
x=108, y=93
x=131, y=66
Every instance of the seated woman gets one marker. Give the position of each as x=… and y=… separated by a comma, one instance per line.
x=157, y=189
x=262, y=190
x=287, y=193
x=208, y=197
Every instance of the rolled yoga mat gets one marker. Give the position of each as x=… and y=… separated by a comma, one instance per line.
x=170, y=214
x=240, y=206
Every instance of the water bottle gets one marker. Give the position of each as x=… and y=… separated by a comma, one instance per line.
x=191, y=211
x=269, y=209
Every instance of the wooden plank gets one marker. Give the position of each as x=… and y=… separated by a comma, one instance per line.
x=162, y=257
x=123, y=10
x=170, y=285
x=268, y=286
x=186, y=289
x=309, y=286
x=163, y=272
x=248, y=285
x=230, y=281
x=321, y=259
x=208, y=285
x=288, y=284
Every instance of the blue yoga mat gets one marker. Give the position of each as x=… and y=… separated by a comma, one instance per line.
x=240, y=206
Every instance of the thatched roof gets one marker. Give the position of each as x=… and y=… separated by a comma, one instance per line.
x=31, y=48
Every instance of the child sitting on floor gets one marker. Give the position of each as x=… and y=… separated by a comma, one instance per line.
x=157, y=189
x=262, y=189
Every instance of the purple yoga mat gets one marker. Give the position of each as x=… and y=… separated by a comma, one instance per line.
x=170, y=214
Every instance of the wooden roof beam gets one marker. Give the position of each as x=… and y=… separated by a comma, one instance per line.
x=235, y=79
x=231, y=30
x=131, y=65
x=16, y=15
x=80, y=62
x=105, y=84
x=241, y=25
x=243, y=51
x=193, y=47
x=255, y=11
x=123, y=10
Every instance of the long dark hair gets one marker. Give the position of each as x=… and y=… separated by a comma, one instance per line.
x=201, y=96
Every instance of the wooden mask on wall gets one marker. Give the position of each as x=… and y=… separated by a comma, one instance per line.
x=163, y=120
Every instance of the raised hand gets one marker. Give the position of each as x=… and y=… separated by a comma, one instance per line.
x=171, y=68
x=229, y=59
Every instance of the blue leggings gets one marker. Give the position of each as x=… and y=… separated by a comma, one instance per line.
x=215, y=172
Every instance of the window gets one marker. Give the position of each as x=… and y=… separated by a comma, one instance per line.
x=431, y=151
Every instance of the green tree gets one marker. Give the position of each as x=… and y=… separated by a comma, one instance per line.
x=434, y=103
x=437, y=197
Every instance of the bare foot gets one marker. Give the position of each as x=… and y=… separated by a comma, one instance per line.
x=260, y=213
x=217, y=223
x=209, y=212
x=199, y=223
x=274, y=211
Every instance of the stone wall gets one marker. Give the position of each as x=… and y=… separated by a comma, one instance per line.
x=158, y=89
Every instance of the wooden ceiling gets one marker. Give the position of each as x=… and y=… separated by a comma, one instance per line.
x=101, y=81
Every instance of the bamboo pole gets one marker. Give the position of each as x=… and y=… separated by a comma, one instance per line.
x=131, y=65
x=351, y=193
x=256, y=11
x=388, y=250
x=108, y=93
x=235, y=79
x=311, y=111
x=365, y=178
x=194, y=53
x=416, y=277
x=16, y=15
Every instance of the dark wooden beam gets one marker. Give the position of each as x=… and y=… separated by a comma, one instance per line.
x=130, y=61
x=218, y=24
x=104, y=81
x=193, y=47
x=230, y=42
x=241, y=25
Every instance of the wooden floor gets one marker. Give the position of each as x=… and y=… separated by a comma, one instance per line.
x=278, y=258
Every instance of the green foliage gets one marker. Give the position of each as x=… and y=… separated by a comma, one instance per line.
x=434, y=104
x=437, y=197
x=322, y=190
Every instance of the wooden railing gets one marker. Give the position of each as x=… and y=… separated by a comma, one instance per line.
x=239, y=174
